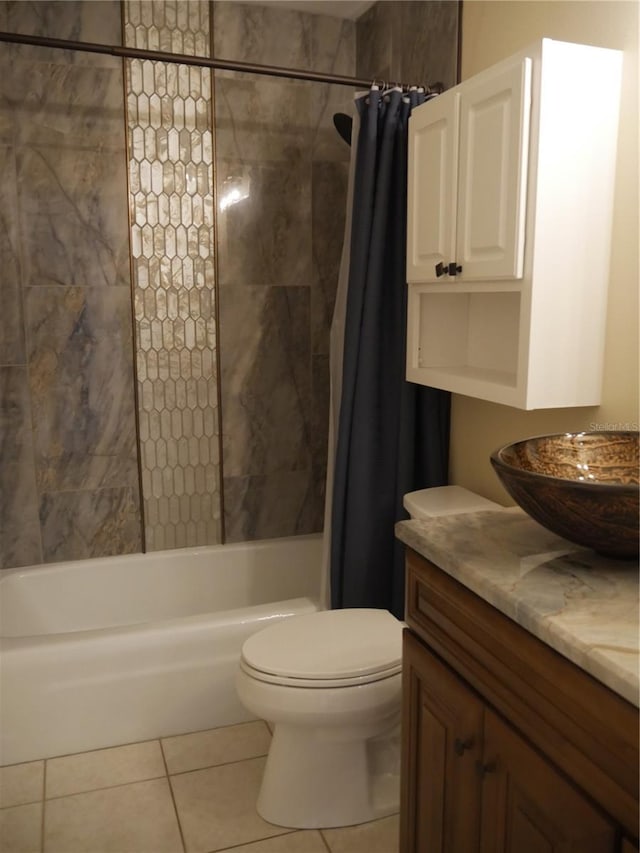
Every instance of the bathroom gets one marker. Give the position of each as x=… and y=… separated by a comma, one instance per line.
x=65, y=504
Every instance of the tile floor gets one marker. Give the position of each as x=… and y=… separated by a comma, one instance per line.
x=193, y=793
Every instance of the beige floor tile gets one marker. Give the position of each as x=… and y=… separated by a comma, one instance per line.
x=305, y=841
x=216, y=746
x=21, y=783
x=103, y=768
x=216, y=806
x=21, y=828
x=379, y=836
x=136, y=818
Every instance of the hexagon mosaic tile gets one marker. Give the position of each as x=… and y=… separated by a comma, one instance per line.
x=171, y=201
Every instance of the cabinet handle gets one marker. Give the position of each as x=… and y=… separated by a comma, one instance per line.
x=460, y=746
x=454, y=268
x=441, y=269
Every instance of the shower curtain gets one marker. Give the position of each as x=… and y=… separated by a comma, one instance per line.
x=390, y=436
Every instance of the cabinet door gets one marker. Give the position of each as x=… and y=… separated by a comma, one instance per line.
x=442, y=745
x=494, y=145
x=431, y=188
x=528, y=807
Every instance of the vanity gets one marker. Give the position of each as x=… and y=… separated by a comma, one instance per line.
x=520, y=691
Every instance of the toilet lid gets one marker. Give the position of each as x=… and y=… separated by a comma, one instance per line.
x=328, y=645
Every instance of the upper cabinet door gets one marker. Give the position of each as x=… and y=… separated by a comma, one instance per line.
x=433, y=166
x=494, y=147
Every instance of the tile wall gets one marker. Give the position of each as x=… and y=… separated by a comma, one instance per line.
x=414, y=42
x=169, y=117
x=67, y=418
x=279, y=249
x=68, y=455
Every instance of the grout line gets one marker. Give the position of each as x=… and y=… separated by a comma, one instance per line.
x=173, y=797
x=219, y=764
x=44, y=801
x=257, y=840
x=133, y=742
x=105, y=788
x=82, y=751
x=324, y=840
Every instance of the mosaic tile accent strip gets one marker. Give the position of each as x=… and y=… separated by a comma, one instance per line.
x=172, y=243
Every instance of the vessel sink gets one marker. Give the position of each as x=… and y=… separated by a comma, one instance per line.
x=582, y=486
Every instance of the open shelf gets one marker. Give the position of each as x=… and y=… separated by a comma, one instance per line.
x=461, y=340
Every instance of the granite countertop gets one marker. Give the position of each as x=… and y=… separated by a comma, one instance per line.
x=583, y=605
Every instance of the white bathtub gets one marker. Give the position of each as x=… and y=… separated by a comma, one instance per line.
x=109, y=651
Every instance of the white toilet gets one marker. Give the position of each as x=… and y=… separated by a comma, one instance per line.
x=330, y=683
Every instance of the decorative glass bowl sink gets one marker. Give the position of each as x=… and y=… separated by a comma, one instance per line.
x=582, y=486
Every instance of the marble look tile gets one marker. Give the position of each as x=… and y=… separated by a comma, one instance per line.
x=266, y=238
x=126, y=819
x=378, y=836
x=373, y=42
x=216, y=746
x=21, y=829
x=12, y=349
x=81, y=383
x=78, y=525
x=265, y=379
x=104, y=768
x=425, y=42
x=278, y=36
x=285, y=113
x=60, y=104
x=409, y=42
x=320, y=381
x=267, y=507
x=260, y=119
x=21, y=783
x=73, y=208
x=329, y=198
x=269, y=36
x=19, y=526
x=324, y=102
x=217, y=806
x=96, y=21
x=333, y=45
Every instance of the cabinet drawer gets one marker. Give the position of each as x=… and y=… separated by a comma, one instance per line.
x=587, y=730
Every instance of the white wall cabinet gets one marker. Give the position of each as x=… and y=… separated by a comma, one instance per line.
x=510, y=200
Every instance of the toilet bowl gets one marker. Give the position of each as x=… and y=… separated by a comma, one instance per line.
x=330, y=684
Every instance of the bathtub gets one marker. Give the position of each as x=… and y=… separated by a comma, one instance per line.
x=101, y=652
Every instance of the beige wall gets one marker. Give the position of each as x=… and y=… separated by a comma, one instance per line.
x=492, y=31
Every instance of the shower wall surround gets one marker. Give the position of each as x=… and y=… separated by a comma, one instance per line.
x=68, y=456
x=281, y=173
x=410, y=40
x=169, y=115
x=69, y=481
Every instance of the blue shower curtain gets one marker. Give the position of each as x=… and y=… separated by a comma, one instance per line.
x=393, y=436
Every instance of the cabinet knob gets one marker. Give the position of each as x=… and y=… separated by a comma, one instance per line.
x=487, y=767
x=460, y=746
x=441, y=269
x=454, y=268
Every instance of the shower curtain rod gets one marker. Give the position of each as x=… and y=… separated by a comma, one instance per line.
x=183, y=59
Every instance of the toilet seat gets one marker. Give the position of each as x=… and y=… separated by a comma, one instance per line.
x=285, y=681
x=331, y=648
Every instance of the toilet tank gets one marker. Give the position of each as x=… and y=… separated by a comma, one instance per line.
x=445, y=500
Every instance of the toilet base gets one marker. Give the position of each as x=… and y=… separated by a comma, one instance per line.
x=318, y=778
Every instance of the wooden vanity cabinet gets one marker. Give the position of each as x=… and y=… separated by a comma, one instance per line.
x=508, y=747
